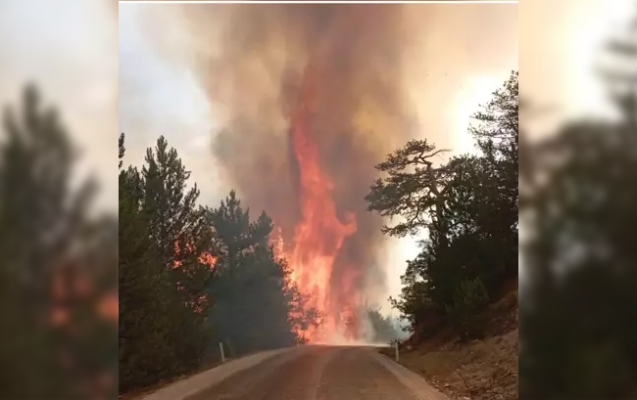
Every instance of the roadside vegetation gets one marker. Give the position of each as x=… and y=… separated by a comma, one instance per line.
x=194, y=276
x=459, y=294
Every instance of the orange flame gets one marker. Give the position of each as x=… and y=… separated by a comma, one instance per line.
x=204, y=258
x=319, y=236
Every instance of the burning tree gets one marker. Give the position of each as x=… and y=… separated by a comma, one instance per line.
x=257, y=306
x=191, y=276
x=299, y=133
x=165, y=245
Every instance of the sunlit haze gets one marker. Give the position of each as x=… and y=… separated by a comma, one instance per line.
x=558, y=62
x=68, y=54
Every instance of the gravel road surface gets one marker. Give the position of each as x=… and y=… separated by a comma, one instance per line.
x=319, y=373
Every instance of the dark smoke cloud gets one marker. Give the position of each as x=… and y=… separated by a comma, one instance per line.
x=361, y=113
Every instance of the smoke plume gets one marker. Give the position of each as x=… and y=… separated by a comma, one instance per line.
x=310, y=98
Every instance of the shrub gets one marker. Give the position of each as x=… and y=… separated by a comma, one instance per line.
x=468, y=298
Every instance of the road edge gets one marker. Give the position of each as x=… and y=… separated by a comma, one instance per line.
x=416, y=383
x=192, y=385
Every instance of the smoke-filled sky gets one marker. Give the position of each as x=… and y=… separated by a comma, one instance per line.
x=459, y=55
x=558, y=62
x=226, y=84
x=67, y=48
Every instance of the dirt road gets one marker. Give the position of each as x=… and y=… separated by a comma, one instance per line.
x=322, y=373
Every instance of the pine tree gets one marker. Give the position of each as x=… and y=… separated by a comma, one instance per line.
x=182, y=234
x=253, y=303
x=164, y=275
x=146, y=353
x=467, y=206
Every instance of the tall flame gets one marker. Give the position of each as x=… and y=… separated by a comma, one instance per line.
x=320, y=234
x=301, y=143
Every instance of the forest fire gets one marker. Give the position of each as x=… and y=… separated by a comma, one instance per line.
x=300, y=143
x=204, y=258
x=320, y=234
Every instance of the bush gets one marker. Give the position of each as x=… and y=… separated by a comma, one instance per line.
x=468, y=298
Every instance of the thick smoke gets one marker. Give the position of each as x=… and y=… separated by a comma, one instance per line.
x=253, y=72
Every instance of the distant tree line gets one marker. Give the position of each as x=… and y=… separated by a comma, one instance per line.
x=384, y=328
x=193, y=276
x=468, y=208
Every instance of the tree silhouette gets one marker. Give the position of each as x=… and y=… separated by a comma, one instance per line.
x=578, y=325
x=57, y=271
x=468, y=208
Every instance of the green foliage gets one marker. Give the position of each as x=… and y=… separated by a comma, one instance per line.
x=252, y=305
x=163, y=282
x=468, y=299
x=411, y=190
x=468, y=207
x=176, y=304
x=415, y=303
x=382, y=326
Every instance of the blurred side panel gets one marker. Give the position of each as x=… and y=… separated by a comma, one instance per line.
x=578, y=168
x=58, y=197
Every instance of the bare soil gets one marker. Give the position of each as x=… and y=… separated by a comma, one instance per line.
x=478, y=370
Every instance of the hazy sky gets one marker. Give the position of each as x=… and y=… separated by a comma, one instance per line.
x=68, y=48
x=458, y=57
x=560, y=45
